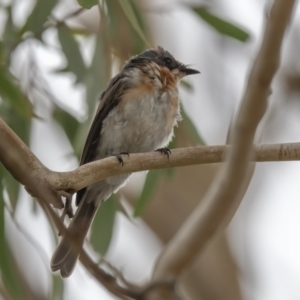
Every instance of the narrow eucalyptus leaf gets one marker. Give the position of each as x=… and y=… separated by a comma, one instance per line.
x=191, y=129
x=130, y=14
x=221, y=25
x=87, y=3
x=68, y=122
x=70, y=48
x=149, y=186
x=39, y=15
x=103, y=225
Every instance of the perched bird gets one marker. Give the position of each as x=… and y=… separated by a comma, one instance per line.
x=137, y=113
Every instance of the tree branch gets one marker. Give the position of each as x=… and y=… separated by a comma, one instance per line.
x=220, y=202
x=23, y=164
x=20, y=161
x=92, y=172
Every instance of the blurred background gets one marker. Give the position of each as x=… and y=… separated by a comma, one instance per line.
x=55, y=60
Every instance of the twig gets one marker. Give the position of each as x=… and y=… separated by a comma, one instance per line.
x=220, y=203
x=22, y=163
x=107, y=280
x=38, y=248
x=92, y=172
x=16, y=156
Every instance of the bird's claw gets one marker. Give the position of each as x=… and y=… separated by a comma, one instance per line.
x=120, y=158
x=165, y=151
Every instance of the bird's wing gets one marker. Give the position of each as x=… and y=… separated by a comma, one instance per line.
x=109, y=99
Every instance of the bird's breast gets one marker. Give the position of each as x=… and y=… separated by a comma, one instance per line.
x=142, y=121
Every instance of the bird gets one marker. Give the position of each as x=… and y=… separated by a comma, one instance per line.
x=136, y=113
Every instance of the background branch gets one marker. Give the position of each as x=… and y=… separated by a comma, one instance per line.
x=219, y=204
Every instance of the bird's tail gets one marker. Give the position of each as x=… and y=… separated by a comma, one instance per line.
x=67, y=253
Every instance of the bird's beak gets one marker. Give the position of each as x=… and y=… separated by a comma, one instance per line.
x=188, y=71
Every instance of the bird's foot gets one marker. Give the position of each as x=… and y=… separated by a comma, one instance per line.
x=120, y=158
x=165, y=151
x=68, y=210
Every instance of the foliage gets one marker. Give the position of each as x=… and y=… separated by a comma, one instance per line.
x=120, y=20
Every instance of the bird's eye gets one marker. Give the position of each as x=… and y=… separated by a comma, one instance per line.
x=168, y=61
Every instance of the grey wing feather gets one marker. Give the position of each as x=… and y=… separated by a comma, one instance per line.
x=109, y=99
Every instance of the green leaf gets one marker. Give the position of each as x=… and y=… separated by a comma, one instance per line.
x=57, y=288
x=185, y=84
x=12, y=187
x=95, y=81
x=11, y=36
x=191, y=129
x=221, y=25
x=39, y=16
x=9, y=114
x=10, y=92
x=22, y=128
x=96, y=75
x=7, y=270
x=132, y=17
x=122, y=209
x=87, y=3
x=69, y=123
x=70, y=47
x=150, y=183
x=102, y=228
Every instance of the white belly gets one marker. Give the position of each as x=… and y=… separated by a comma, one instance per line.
x=141, y=125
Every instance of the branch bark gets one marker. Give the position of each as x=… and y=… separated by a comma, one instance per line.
x=20, y=161
x=23, y=165
x=92, y=172
x=219, y=204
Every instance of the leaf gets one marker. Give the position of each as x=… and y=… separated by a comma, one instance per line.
x=72, y=53
x=10, y=92
x=12, y=187
x=102, y=228
x=221, y=25
x=185, y=84
x=96, y=73
x=191, y=129
x=95, y=81
x=57, y=288
x=131, y=15
x=39, y=16
x=87, y=3
x=69, y=123
x=10, y=35
x=2, y=51
x=122, y=209
x=22, y=127
x=8, y=276
x=150, y=183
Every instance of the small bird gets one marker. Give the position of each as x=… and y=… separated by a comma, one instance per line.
x=137, y=113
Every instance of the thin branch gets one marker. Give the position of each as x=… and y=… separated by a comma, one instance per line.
x=16, y=156
x=220, y=203
x=92, y=172
x=22, y=163
x=108, y=281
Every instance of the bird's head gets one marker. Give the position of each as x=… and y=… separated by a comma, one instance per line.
x=163, y=60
